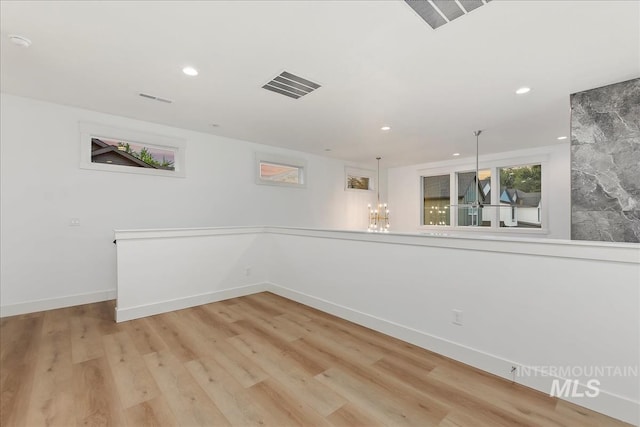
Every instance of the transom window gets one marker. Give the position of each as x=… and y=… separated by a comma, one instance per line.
x=109, y=149
x=125, y=153
x=273, y=169
x=276, y=172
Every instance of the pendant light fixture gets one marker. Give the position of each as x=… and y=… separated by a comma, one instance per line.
x=475, y=207
x=378, y=215
x=477, y=135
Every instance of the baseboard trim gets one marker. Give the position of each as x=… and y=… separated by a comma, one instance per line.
x=607, y=403
x=130, y=313
x=58, y=302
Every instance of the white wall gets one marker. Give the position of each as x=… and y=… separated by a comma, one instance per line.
x=405, y=197
x=179, y=270
x=525, y=302
x=44, y=259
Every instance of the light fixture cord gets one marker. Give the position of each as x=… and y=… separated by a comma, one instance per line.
x=477, y=190
x=477, y=134
x=378, y=183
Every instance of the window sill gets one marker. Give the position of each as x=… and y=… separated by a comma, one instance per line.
x=452, y=230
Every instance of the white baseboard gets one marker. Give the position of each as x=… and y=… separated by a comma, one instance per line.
x=130, y=313
x=54, y=303
x=607, y=403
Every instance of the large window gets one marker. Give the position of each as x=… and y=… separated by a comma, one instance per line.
x=449, y=200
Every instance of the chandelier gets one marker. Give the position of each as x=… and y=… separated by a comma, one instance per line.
x=378, y=215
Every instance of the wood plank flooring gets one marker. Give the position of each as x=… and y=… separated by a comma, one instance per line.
x=256, y=360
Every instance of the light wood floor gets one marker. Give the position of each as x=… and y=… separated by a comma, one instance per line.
x=256, y=360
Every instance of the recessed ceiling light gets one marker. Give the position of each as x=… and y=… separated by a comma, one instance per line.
x=456, y=154
x=327, y=149
x=385, y=128
x=19, y=40
x=562, y=137
x=523, y=90
x=190, y=71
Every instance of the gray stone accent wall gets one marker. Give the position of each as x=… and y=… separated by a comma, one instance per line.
x=605, y=163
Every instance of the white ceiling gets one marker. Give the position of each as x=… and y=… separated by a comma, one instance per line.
x=378, y=63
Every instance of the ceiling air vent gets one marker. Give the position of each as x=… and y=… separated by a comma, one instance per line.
x=290, y=85
x=438, y=12
x=155, y=98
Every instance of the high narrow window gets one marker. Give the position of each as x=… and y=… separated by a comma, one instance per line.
x=281, y=171
x=125, y=153
x=276, y=172
x=359, y=179
x=105, y=148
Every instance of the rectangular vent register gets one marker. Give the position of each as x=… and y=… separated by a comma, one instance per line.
x=290, y=85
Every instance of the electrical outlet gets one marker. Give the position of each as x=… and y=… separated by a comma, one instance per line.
x=74, y=222
x=457, y=317
x=247, y=271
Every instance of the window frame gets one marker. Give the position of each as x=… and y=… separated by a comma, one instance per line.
x=276, y=159
x=88, y=131
x=465, y=165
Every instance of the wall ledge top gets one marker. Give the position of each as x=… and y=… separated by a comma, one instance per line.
x=628, y=253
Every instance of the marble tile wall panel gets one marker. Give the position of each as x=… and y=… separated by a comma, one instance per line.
x=605, y=163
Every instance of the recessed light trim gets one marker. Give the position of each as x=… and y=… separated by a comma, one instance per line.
x=385, y=128
x=19, y=40
x=190, y=71
x=523, y=90
x=560, y=138
x=456, y=154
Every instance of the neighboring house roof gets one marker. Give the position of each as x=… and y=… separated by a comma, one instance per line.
x=101, y=152
x=483, y=194
x=518, y=197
